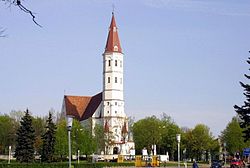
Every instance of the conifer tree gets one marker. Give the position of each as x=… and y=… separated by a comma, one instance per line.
x=49, y=139
x=25, y=140
x=244, y=110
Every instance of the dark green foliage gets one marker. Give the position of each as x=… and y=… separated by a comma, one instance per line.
x=39, y=127
x=49, y=139
x=25, y=140
x=233, y=137
x=65, y=165
x=244, y=110
x=8, y=128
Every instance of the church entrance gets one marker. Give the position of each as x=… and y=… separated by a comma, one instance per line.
x=115, y=150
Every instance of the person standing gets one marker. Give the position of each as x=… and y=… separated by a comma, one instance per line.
x=195, y=165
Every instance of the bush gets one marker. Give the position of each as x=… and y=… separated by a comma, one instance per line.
x=63, y=165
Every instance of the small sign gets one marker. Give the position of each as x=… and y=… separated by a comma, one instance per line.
x=246, y=152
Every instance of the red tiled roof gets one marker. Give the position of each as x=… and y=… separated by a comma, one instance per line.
x=113, y=42
x=82, y=107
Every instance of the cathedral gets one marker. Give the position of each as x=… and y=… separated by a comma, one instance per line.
x=107, y=107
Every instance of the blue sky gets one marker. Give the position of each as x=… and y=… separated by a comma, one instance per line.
x=182, y=57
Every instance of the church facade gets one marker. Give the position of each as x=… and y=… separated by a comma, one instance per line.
x=107, y=107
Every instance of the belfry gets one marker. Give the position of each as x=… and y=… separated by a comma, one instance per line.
x=107, y=107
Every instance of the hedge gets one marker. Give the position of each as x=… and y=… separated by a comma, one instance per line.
x=63, y=165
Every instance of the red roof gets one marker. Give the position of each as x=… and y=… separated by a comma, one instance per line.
x=82, y=107
x=113, y=42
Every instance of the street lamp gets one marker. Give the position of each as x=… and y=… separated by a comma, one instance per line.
x=9, y=154
x=69, y=127
x=178, y=138
x=77, y=141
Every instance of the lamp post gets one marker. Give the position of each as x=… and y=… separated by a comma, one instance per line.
x=77, y=141
x=178, y=138
x=69, y=127
x=225, y=153
x=9, y=154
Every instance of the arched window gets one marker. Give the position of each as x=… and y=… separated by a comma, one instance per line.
x=115, y=150
x=109, y=62
x=108, y=79
x=115, y=79
x=115, y=62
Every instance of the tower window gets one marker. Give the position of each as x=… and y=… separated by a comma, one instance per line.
x=108, y=79
x=115, y=79
x=109, y=62
x=120, y=63
x=108, y=103
x=115, y=62
x=115, y=112
x=120, y=80
x=115, y=103
x=107, y=111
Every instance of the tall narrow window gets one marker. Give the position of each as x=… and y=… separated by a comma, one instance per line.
x=120, y=80
x=115, y=79
x=109, y=62
x=115, y=62
x=120, y=63
x=108, y=79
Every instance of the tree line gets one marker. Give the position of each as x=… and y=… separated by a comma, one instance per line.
x=45, y=138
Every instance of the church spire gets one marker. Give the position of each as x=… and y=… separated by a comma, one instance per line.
x=113, y=42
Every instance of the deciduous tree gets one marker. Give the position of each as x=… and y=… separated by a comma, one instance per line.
x=8, y=128
x=146, y=133
x=61, y=145
x=199, y=140
x=233, y=136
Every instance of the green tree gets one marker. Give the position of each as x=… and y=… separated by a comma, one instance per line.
x=61, y=145
x=99, y=138
x=244, y=110
x=146, y=133
x=83, y=140
x=233, y=136
x=48, y=147
x=39, y=127
x=8, y=128
x=168, y=130
x=25, y=140
x=199, y=141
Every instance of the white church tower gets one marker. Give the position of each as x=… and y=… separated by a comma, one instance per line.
x=107, y=107
x=115, y=119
